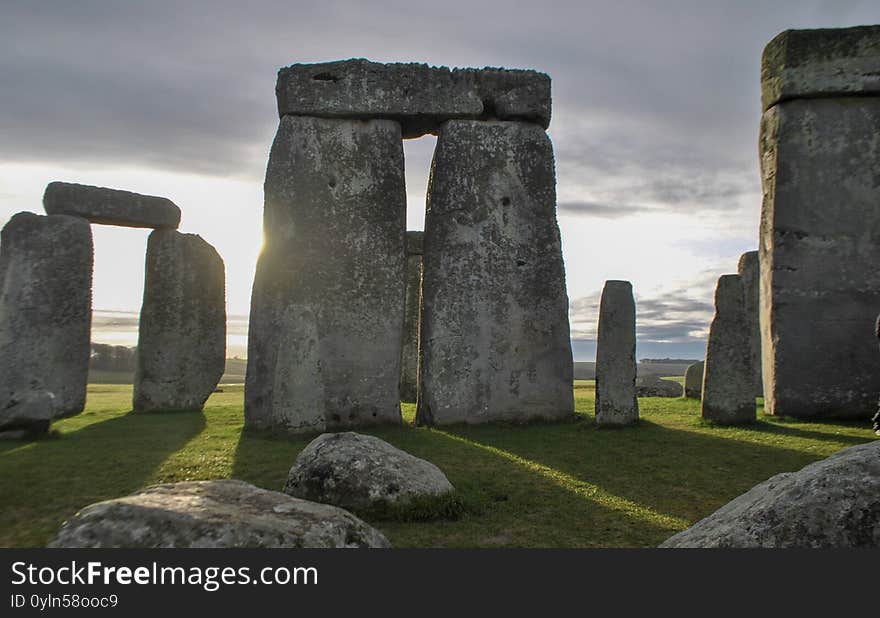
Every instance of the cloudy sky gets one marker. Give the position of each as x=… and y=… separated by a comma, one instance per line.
x=655, y=121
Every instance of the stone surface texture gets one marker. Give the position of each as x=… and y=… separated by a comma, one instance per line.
x=833, y=62
x=45, y=318
x=495, y=334
x=728, y=392
x=693, y=380
x=749, y=271
x=654, y=386
x=833, y=503
x=418, y=96
x=820, y=237
x=409, y=354
x=616, y=402
x=110, y=206
x=356, y=471
x=181, y=351
x=214, y=514
x=327, y=307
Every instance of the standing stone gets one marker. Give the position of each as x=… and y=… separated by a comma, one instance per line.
x=750, y=275
x=820, y=224
x=181, y=350
x=45, y=318
x=728, y=397
x=409, y=355
x=328, y=298
x=495, y=334
x=693, y=380
x=110, y=206
x=616, y=402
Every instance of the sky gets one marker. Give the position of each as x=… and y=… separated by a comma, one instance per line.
x=656, y=110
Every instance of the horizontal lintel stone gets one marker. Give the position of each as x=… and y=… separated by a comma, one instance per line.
x=419, y=96
x=822, y=63
x=110, y=206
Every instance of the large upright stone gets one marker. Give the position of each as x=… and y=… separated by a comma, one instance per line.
x=418, y=96
x=409, y=354
x=110, y=206
x=45, y=318
x=181, y=350
x=749, y=272
x=820, y=226
x=327, y=304
x=616, y=402
x=728, y=395
x=495, y=334
x=693, y=380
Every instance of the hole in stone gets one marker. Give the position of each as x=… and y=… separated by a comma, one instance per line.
x=351, y=416
x=505, y=201
x=520, y=262
x=335, y=418
x=325, y=77
x=331, y=183
x=117, y=295
x=374, y=415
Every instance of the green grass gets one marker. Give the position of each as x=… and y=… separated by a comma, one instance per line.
x=561, y=485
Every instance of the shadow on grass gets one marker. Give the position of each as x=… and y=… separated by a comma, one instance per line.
x=676, y=475
x=103, y=460
x=503, y=503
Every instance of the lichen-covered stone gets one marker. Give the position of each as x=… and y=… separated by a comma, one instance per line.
x=45, y=317
x=820, y=241
x=693, y=380
x=829, y=62
x=749, y=271
x=327, y=307
x=214, y=514
x=110, y=206
x=728, y=392
x=495, y=333
x=418, y=96
x=409, y=355
x=181, y=351
x=616, y=402
x=833, y=503
x=356, y=471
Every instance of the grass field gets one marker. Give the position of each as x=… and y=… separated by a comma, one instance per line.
x=547, y=485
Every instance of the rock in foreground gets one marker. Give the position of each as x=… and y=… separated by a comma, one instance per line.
x=353, y=470
x=831, y=503
x=218, y=514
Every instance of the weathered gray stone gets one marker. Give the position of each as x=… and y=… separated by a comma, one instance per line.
x=409, y=355
x=495, y=334
x=328, y=298
x=110, y=206
x=833, y=503
x=418, y=96
x=820, y=237
x=834, y=62
x=693, y=380
x=616, y=402
x=728, y=393
x=29, y=411
x=181, y=351
x=214, y=514
x=749, y=271
x=356, y=471
x=45, y=313
x=655, y=386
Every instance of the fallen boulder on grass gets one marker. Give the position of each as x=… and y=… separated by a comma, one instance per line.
x=357, y=471
x=652, y=386
x=830, y=503
x=222, y=514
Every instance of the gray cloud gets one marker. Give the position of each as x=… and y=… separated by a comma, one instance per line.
x=595, y=209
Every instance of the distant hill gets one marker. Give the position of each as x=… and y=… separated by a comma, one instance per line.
x=665, y=367
x=234, y=374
